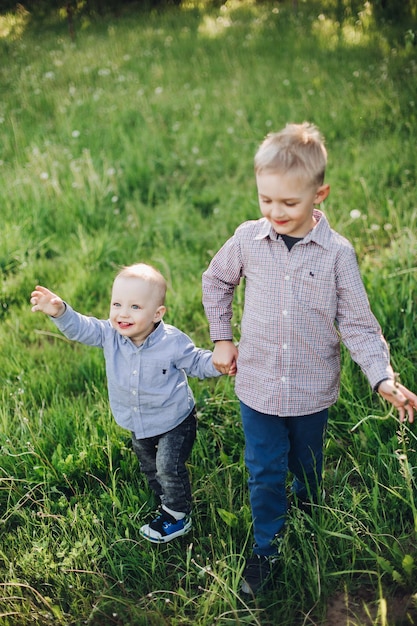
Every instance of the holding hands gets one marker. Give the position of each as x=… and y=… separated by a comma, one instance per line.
x=47, y=302
x=225, y=357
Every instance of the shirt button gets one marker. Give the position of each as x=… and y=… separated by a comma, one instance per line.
x=285, y=312
x=135, y=409
x=133, y=392
x=134, y=372
x=287, y=278
x=283, y=379
x=284, y=346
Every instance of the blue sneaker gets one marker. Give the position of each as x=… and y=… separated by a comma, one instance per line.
x=164, y=528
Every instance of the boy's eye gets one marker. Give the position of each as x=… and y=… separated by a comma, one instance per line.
x=135, y=307
x=116, y=304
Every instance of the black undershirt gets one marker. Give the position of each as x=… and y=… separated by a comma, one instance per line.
x=290, y=241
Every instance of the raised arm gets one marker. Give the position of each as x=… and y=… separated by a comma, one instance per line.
x=46, y=302
x=75, y=326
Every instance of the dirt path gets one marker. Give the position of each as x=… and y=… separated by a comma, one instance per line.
x=364, y=609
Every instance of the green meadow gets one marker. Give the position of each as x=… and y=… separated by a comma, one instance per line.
x=135, y=142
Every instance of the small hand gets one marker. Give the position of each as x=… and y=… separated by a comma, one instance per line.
x=47, y=302
x=233, y=369
x=400, y=397
x=225, y=356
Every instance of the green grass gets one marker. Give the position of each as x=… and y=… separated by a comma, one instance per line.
x=135, y=143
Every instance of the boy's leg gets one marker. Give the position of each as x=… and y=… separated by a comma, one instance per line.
x=145, y=450
x=174, y=448
x=306, y=454
x=266, y=457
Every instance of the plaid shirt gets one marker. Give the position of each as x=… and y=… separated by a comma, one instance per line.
x=299, y=305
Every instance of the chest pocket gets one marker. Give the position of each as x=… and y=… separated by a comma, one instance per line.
x=155, y=373
x=315, y=291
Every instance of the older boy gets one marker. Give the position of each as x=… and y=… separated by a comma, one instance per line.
x=303, y=294
x=147, y=363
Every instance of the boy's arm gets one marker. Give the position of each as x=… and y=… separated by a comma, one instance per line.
x=219, y=283
x=362, y=335
x=196, y=362
x=73, y=325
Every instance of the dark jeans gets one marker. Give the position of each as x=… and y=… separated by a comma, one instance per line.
x=162, y=460
x=274, y=445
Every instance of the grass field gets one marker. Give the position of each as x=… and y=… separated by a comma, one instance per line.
x=135, y=142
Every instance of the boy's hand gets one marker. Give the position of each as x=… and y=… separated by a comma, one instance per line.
x=47, y=302
x=400, y=397
x=225, y=357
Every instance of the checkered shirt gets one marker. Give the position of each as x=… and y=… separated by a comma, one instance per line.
x=299, y=305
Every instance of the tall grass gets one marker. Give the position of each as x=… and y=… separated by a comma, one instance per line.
x=135, y=142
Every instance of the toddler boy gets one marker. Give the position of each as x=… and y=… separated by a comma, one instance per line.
x=147, y=363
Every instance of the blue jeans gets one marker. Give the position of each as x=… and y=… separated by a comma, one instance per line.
x=162, y=460
x=273, y=446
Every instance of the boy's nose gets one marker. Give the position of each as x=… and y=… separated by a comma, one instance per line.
x=277, y=211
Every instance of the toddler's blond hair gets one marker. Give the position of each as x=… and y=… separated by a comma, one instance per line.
x=146, y=272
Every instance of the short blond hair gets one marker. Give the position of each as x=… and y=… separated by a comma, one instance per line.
x=149, y=274
x=298, y=148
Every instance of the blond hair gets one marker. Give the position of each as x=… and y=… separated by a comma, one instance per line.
x=148, y=274
x=298, y=148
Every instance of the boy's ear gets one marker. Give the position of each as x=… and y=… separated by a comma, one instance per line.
x=322, y=193
x=159, y=313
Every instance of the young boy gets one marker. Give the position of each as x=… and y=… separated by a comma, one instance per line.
x=303, y=295
x=147, y=363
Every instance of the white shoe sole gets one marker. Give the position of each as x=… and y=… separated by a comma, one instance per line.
x=147, y=533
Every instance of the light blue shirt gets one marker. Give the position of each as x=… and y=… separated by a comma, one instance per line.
x=148, y=389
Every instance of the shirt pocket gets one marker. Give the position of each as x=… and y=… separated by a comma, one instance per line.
x=315, y=291
x=156, y=373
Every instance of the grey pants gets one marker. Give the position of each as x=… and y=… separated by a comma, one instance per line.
x=162, y=459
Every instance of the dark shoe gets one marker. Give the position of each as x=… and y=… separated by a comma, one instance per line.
x=164, y=528
x=256, y=573
x=307, y=506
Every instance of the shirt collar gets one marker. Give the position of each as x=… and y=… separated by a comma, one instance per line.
x=320, y=234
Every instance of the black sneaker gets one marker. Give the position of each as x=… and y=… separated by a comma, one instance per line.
x=164, y=528
x=256, y=573
x=307, y=506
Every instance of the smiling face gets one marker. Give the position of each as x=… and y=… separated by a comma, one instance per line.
x=135, y=307
x=287, y=201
